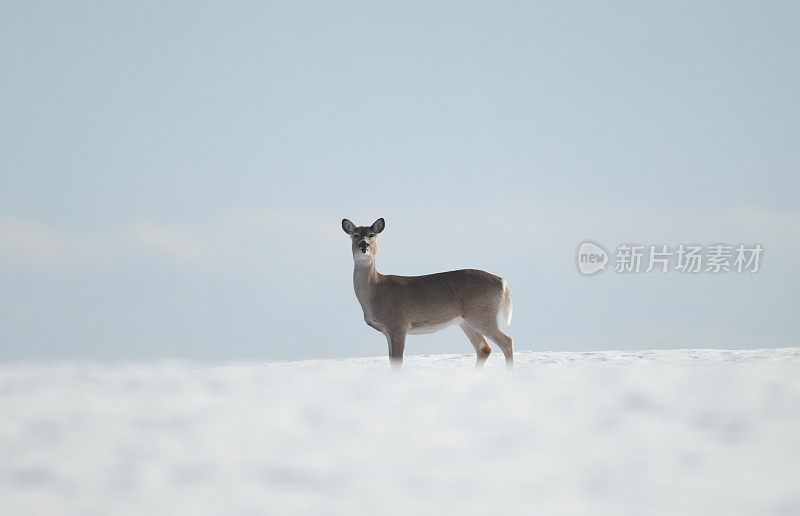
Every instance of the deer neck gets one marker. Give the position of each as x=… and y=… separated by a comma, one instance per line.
x=365, y=276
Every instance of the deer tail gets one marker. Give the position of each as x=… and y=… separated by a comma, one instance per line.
x=506, y=306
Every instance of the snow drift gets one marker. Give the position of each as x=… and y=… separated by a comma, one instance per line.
x=655, y=432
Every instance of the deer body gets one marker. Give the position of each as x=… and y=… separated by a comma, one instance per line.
x=401, y=305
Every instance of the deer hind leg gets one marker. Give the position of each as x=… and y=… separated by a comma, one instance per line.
x=490, y=329
x=482, y=348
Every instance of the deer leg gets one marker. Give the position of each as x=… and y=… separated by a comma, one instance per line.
x=506, y=344
x=397, y=346
x=482, y=349
x=496, y=335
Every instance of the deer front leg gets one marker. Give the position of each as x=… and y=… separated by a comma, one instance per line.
x=397, y=346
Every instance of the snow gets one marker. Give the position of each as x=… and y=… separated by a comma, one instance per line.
x=649, y=432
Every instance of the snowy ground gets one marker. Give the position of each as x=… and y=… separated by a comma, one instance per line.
x=651, y=432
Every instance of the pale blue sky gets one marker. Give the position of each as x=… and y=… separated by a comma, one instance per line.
x=174, y=174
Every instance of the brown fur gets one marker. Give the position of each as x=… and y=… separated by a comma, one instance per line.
x=398, y=305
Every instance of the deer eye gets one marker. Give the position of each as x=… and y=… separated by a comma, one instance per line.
x=371, y=235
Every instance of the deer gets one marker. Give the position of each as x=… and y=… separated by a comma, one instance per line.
x=400, y=305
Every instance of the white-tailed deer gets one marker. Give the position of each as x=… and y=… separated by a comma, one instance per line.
x=399, y=305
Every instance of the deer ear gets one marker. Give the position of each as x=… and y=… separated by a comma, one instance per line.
x=378, y=225
x=348, y=226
